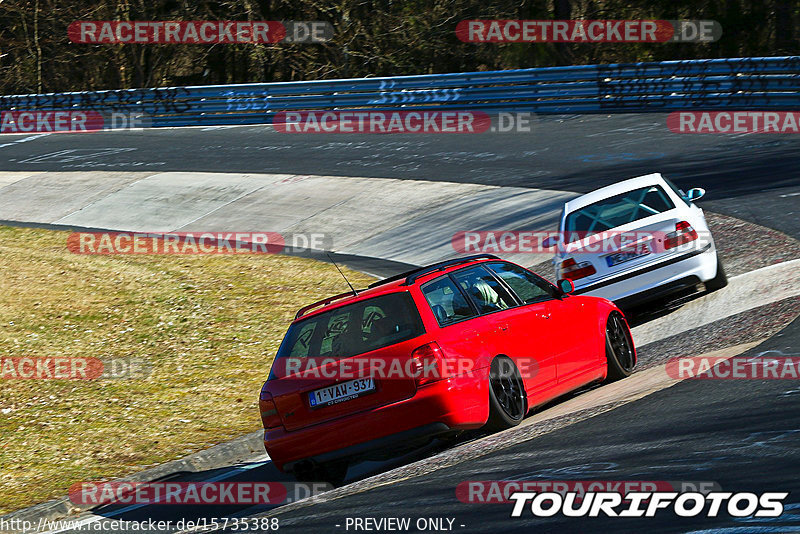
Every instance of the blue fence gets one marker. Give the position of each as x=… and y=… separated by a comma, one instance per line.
x=741, y=83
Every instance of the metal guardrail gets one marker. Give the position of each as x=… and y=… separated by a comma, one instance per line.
x=740, y=83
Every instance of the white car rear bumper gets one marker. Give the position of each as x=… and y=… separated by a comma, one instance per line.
x=670, y=275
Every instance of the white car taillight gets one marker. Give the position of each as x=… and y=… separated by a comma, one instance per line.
x=684, y=233
x=573, y=270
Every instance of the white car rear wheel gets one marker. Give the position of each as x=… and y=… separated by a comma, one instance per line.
x=719, y=281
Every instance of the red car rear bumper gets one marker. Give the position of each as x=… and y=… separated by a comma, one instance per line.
x=458, y=403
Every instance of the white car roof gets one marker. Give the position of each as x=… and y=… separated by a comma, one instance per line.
x=614, y=189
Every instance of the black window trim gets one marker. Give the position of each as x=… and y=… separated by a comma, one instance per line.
x=552, y=291
x=473, y=306
x=677, y=190
x=463, y=294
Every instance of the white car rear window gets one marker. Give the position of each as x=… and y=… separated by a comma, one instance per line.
x=615, y=211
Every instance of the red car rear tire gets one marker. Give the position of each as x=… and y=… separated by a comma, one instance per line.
x=508, y=401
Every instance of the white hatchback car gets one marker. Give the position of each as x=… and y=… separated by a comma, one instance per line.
x=637, y=240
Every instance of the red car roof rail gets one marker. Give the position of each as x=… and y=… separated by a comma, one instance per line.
x=442, y=265
x=323, y=302
x=411, y=276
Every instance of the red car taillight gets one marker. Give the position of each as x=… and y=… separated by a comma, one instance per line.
x=684, y=233
x=269, y=413
x=428, y=359
x=573, y=270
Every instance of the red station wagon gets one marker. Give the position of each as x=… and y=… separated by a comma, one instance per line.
x=458, y=345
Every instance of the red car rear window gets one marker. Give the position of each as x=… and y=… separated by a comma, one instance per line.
x=354, y=329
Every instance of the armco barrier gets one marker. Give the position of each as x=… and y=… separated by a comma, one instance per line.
x=740, y=83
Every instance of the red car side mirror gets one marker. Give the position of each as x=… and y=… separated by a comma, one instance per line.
x=566, y=286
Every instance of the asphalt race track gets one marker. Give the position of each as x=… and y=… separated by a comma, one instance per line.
x=743, y=435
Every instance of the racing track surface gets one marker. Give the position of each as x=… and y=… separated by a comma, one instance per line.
x=574, y=153
x=744, y=435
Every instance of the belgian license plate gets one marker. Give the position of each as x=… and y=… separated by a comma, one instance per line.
x=628, y=255
x=342, y=392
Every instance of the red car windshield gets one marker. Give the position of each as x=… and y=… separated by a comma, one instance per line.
x=354, y=329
